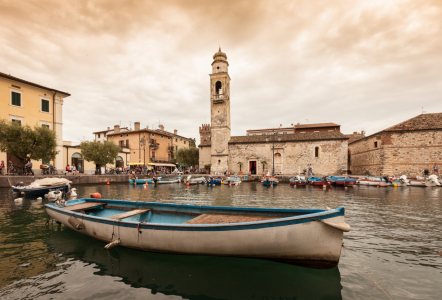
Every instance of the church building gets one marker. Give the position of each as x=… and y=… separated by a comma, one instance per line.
x=280, y=151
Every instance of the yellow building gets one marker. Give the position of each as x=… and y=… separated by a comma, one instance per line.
x=72, y=156
x=32, y=104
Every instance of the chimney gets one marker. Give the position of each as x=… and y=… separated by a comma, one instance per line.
x=137, y=125
x=117, y=129
x=161, y=127
x=147, y=126
x=108, y=128
x=175, y=132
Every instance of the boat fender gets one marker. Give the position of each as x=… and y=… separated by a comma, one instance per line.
x=96, y=195
x=112, y=244
x=341, y=226
x=75, y=223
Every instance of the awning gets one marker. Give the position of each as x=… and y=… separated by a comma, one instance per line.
x=186, y=166
x=161, y=165
x=132, y=164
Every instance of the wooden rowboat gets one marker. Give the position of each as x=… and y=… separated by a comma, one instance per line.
x=308, y=237
x=270, y=181
x=140, y=181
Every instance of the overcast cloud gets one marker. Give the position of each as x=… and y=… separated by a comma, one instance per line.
x=362, y=64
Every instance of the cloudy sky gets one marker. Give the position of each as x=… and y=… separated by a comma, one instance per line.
x=362, y=64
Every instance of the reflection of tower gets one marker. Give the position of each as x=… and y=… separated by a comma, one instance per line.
x=220, y=111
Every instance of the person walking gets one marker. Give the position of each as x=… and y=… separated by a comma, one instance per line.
x=436, y=169
x=10, y=167
x=29, y=167
x=310, y=170
x=74, y=170
x=2, y=167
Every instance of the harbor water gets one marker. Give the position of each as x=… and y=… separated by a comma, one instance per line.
x=392, y=252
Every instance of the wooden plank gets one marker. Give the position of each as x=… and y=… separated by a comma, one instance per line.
x=158, y=211
x=222, y=219
x=129, y=214
x=83, y=206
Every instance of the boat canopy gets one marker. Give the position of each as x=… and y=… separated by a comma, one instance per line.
x=161, y=165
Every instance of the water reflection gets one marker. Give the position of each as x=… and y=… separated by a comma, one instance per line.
x=196, y=277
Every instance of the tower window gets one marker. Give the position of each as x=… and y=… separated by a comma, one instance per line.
x=316, y=151
x=218, y=88
x=217, y=68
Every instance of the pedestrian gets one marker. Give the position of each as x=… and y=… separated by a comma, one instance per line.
x=29, y=167
x=2, y=166
x=68, y=169
x=436, y=169
x=74, y=170
x=10, y=167
x=191, y=169
x=310, y=170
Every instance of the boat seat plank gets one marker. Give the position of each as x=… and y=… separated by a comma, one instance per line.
x=223, y=218
x=129, y=214
x=83, y=206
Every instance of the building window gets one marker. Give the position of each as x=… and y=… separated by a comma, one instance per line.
x=176, y=148
x=153, y=134
x=161, y=136
x=316, y=151
x=98, y=135
x=127, y=134
x=184, y=142
x=45, y=125
x=44, y=105
x=16, y=121
x=375, y=144
x=16, y=99
x=168, y=137
x=176, y=140
x=127, y=143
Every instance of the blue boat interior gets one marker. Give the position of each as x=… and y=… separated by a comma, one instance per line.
x=162, y=213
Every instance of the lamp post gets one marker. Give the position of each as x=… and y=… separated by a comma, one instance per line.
x=273, y=152
x=143, y=143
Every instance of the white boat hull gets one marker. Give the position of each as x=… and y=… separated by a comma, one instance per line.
x=304, y=243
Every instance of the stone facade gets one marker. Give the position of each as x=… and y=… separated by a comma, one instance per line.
x=292, y=155
x=404, y=149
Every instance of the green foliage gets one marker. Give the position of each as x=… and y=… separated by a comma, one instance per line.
x=207, y=167
x=188, y=156
x=240, y=165
x=99, y=153
x=192, y=143
x=27, y=143
x=263, y=164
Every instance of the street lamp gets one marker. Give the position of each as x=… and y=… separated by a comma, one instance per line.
x=143, y=143
x=273, y=155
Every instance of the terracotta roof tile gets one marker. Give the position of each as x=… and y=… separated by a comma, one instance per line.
x=316, y=125
x=294, y=137
x=420, y=122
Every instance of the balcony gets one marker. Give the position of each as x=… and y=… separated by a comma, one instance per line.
x=219, y=98
x=154, y=146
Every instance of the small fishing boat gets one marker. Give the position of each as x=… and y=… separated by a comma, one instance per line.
x=317, y=181
x=161, y=180
x=192, y=181
x=432, y=180
x=342, y=181
x=214, y=181
x=233, y=180
x=307, y=237
x=43, y=186
x=270, y=181
x=248, y=178
x=375, y=181
x=401, y=181
x=140, y=181
x=298, y=180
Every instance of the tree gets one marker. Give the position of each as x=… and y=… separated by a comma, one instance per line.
x=27, y=143
x=99, y=153
x=188, y=156
x=240, y=165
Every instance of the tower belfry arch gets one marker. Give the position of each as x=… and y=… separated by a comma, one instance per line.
x=220, y=112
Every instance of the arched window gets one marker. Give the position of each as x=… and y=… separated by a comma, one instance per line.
x=119, y=163
x=277, y=158
x=316, y=151
x=218, y=88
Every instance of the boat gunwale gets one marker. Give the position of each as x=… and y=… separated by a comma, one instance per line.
x=315, y=215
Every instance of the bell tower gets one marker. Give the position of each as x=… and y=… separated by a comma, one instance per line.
x=220, y=112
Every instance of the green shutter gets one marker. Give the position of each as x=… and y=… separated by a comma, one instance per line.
x=16, y=99
x=45, y=105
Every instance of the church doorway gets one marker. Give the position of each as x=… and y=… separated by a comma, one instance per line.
x=252, y=167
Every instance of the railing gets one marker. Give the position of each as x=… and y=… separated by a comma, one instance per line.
x=154, y=146
x=220, y=97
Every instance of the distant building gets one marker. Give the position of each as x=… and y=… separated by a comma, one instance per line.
x=321, y=145
x=407, y=148
x=160, y=146
x=101, y=136
x=29, y=103
x=355, y=136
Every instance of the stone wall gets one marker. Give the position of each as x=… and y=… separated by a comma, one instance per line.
x=291, y=157
x=398, y=153
x=205, y=156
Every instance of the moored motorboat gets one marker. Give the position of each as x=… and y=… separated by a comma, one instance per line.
x=298, y=180
x=140, y=181
x=214, y=181
x=43, y=186
x=342, y=181
x=270, y=181
x=161, y=180
x=192, y=181
x=318, y=181
x=206, y=230
x=233, y=180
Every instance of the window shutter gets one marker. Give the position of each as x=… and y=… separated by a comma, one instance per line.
x=16, y=99
x=45, y=105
